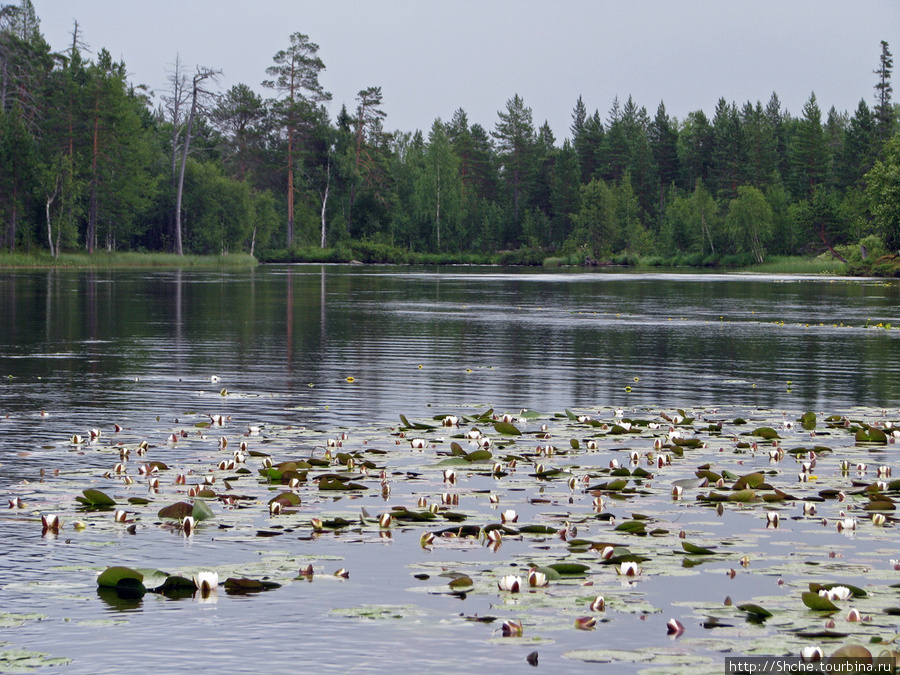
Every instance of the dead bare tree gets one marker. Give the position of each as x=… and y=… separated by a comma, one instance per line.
x=199, y=97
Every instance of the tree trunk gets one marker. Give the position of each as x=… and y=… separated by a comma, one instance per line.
x=179, y=250
x=325, y=202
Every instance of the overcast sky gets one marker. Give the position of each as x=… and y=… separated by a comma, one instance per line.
x=431, y=57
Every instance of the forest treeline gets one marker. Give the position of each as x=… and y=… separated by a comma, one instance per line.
x=87, y=163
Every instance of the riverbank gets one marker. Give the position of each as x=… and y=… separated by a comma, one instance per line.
x=370, y=253
x=108, y=260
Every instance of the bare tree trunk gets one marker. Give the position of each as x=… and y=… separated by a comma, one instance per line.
x=325, y=200
x=53, y=251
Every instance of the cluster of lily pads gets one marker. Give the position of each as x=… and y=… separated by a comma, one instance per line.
x=618, y=501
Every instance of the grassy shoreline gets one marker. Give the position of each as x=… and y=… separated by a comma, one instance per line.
x=120, y=259
x=367, y=253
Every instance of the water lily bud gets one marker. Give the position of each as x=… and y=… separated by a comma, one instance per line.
x=511, y=628
x=123, y=453
x=50, y=523
x=120, y=468
x=275, y=508
x=861, y=468
x=426, y=539
x=803, y=477
x=449, y=476
x=537, y=579
x=591, y=444
x=854, y=615
x=342, y=573
x=511, y=583
x=128, y=480
x=316, y=524
x=497, y=468
x=494, y=498
x=628, y=569
x=187, y=524
x=677, y=491
x=599, y=604
x=120, y=516
x=385, y=520
x=674, y=627
x=494, y=536
x=634, y=456
x=485, y=443
x=79, y=525
x=76, y=440
x=657, y=444
x=509, y=516
x=614, y=464
x=811, y=654
x=607, y=552
x=206, y=581
x=16, y=503
x=539, y=468
x=878, y=519
x=598, y=503
x=772, y=519
x=267, y=462
x=846, y=524
x=572, y=482
x=585, y=623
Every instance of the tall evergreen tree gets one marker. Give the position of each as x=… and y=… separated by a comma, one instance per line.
x=296, y=72
x=809, y=151
x=515, y=137
x=885, y=118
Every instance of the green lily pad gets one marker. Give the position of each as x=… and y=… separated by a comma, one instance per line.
x=506, y=429
x=201, y=511
x=819, y=603
x=95, y=498
x=696, y=550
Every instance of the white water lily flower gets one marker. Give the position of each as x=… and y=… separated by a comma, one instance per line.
x=450, y=421
x=848, y=524
x=50, y=523
x=485, y=443
x=584, y=418
x=811, y=653
x=494, y=536
x=772, y=519
x=836, y=593
x=187, y=524
x=809, y=509
x=674, y=627
x=509, y=516
x=653, y=425
x=449, y=476
x=677, y=492
x=537, y=579
x=629, y=569
x=206, y=581
x=417, y=443
x=590, y=445
x=511, y=583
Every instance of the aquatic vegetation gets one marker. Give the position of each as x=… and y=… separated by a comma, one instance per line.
x=635, y=502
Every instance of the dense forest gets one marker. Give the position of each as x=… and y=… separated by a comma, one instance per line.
x=87, y=163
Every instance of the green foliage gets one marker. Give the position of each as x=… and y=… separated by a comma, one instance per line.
x=86, y=162
x=750, y=222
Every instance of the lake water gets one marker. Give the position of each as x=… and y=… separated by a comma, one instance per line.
x=310, y=352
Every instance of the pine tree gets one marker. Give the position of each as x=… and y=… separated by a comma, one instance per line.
x=884, y=110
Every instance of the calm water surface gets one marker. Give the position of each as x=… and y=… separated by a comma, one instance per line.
x=138, y=348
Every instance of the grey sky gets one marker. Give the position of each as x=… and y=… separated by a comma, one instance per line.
x=431, y=57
